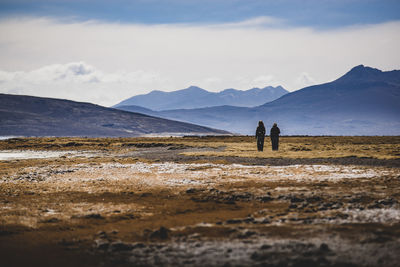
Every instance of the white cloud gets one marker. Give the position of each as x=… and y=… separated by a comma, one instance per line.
x=107, y=62
x=76, y=80
x=76, y=72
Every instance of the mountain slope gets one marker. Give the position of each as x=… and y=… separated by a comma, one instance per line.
x=195, y=97
x=365, y=101
x=36, y=116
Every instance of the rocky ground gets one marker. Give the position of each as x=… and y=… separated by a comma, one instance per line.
x=168, y=203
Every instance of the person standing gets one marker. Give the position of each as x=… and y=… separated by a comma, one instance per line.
x=274, y=134
x=260, y=134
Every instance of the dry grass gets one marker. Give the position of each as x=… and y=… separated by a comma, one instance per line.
x=311, y=147
x=387, y=147
x=52, y=210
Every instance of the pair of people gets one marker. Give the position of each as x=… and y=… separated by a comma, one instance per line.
x=274, y=135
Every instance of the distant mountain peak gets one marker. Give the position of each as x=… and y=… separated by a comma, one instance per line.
x=193, y=88
x=361, y=72
x=196, y=97
x=364, y=69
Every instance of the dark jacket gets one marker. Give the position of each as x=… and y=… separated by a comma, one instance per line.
x=275, y=131
x=260, y=132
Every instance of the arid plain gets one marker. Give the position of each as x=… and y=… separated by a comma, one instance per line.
x=200, y=201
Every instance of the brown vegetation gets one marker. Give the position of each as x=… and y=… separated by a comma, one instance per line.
x=140, y=200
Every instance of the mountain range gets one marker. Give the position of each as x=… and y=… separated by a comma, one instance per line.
x=38, y=116
x=195, y=97
x=364, y=101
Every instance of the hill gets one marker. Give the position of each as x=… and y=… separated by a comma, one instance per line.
x=195, y=97
x=37, y=116
x=364, y=101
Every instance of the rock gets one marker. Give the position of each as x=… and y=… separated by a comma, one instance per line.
x=266, y=199
x=190, y=191
x=241, y=196
x=101, y=244
x=246, y=234
x=120, y=246
x=375, y=206
x=248, y=220
x=66, y=243
x=265, y=221
x=138, y=245
x=296, y=199
x=314, y=199
x=102, y=234
x=387, y=202
x=161, y=233
x=93, y=216
x=194, y=236
x=324, y=247
x=259, y=257
x=51, y=220
x=265, y=246
x=233, y=221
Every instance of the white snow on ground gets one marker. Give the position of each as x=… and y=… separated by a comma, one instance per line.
x=389, y=215
x=30, y=154
x=179, y=174
x=237, y=171
x=15, y=154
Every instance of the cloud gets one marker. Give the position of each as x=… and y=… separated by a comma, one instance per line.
x=107, y=62
x=71, y=72
x=76, y=72
x=75, y=80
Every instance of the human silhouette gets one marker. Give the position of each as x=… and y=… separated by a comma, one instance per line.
x=274, y=134
x=260, y=134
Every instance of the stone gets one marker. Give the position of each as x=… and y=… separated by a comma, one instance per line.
x=233, y=221
x=93, y=216
x=101, y=244
x=324, y=247
x=296, y=199
x=266, y=246
x=161, y=233
x=190, y=191
x=120, y=246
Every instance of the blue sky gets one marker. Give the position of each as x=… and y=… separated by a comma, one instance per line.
x=106, y=51
x=314, y=13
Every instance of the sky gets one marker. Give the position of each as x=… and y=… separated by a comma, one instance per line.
x=106, y=51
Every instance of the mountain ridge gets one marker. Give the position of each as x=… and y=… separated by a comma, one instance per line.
x=196, y=97
x=22, y=115
x=364, y=101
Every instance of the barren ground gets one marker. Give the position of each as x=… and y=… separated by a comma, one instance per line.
x=200, y=201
